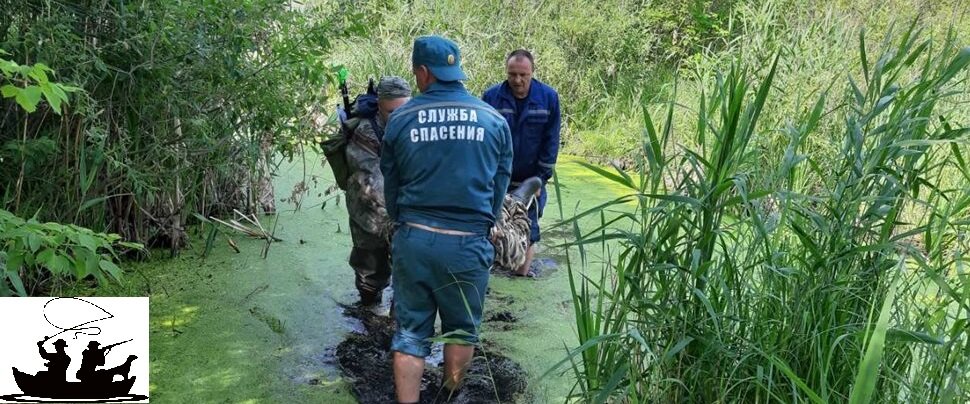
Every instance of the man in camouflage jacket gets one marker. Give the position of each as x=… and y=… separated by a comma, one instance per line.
x=365, y=193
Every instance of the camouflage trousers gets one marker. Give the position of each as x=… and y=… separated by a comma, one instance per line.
x=370, y=259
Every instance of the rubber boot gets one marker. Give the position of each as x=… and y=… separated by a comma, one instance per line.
x=370, y=298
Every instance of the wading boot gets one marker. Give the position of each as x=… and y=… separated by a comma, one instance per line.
x=370, y=298
x=526, y=190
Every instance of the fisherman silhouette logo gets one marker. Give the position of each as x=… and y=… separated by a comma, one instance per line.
x=68, y=349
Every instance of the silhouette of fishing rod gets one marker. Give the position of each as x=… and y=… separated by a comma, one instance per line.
x=80, y=328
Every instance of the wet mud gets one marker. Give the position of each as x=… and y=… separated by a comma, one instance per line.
x=502, y=316
x=364, y=358
x=503, y=320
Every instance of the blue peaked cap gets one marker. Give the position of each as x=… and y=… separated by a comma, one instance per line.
x=441, y=55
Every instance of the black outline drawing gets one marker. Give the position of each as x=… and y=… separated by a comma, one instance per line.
x=95, y=385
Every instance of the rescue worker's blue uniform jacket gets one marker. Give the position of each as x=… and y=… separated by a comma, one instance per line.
x=446, y=159
x=535, y=132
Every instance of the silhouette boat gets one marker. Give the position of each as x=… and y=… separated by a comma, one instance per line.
x=34, y=386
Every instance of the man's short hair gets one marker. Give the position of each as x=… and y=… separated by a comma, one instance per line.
x=522, y=53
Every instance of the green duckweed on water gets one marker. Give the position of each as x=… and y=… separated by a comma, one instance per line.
x=238, y=328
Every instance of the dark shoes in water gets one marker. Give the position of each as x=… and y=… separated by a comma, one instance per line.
x=534, y=270
x=531, y=273
x=370, y=298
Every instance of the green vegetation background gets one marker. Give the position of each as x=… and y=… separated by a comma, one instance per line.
x=808, y=250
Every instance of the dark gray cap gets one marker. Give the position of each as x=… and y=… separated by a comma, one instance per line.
x=392, y=87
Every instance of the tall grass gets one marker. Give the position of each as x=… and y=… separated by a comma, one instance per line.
x=603, y=59
x=591, y=53
x=723, y=281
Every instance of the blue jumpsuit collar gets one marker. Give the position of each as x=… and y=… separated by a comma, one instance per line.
x=506, y=90
x=506, y=93
x=445, y=86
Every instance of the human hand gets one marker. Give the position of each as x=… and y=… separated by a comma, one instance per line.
x=495, y=235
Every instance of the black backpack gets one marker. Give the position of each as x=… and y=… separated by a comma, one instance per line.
x=335, y=147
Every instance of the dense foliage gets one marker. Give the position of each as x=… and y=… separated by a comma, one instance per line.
x=798, y=225
x=606, y=58
x=798, y=211
x=748, y=274
x=37, y=257
x=181, y=103
x=128, y=117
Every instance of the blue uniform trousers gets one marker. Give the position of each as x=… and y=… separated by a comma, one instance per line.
x=437, y=274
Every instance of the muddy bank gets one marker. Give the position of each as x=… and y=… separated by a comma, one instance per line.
x=365, y=359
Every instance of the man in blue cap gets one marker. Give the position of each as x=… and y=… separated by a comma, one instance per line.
x=532, y=111
x=446, y=159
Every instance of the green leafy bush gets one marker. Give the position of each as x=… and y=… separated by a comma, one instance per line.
x=34, y=83
x=35, y=254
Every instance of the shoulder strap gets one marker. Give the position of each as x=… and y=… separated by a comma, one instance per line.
x=378, y=130
x=369, y=144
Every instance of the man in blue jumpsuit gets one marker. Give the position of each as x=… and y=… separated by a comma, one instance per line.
x=532, y=111
x=446, y=159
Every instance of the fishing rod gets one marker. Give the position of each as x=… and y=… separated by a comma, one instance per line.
x=77, y=328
